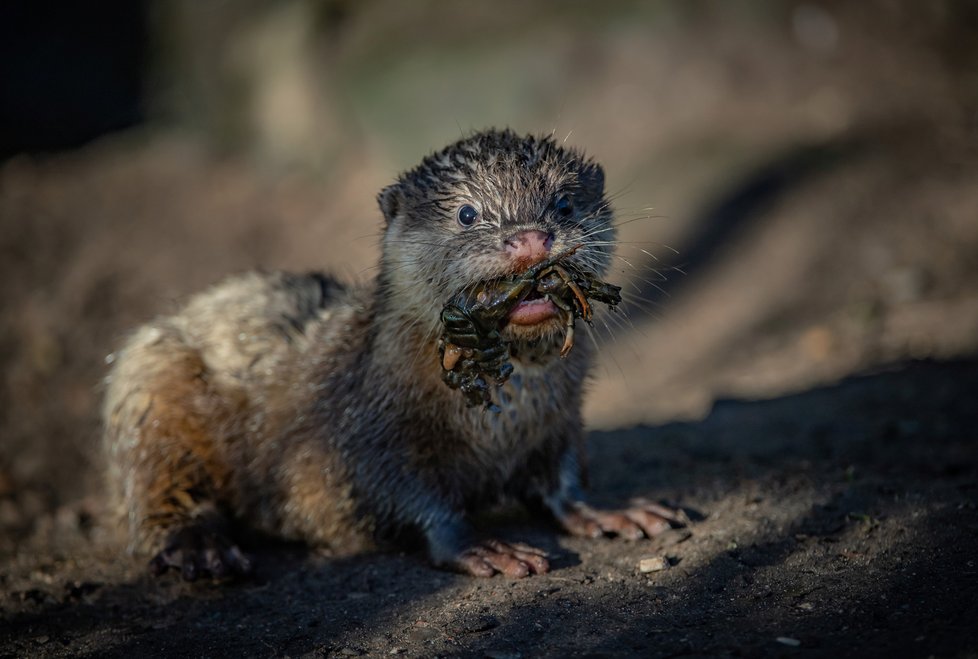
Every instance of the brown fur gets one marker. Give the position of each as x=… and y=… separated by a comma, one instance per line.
x=317, y=412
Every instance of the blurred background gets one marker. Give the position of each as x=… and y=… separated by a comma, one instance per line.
x=795, y=180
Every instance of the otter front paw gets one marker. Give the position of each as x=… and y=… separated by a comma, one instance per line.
x=643, y=518
x=198, y=550
x=487, y=558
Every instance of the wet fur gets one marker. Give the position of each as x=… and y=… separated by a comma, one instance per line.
x=316, y=411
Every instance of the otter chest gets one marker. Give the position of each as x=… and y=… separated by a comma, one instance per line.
x=505, y=441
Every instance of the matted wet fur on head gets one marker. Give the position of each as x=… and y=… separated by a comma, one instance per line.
x=513, y=183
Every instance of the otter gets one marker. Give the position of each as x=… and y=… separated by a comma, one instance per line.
x=315, y=410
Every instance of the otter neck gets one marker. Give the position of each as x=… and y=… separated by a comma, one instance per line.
x=405, y=329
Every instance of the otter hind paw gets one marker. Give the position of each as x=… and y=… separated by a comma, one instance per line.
x=197, y=551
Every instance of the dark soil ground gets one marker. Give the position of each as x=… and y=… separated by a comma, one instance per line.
x=806, y=391
x=840, y=521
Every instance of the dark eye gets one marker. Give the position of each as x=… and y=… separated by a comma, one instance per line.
x=564, y=206
x=467, y=215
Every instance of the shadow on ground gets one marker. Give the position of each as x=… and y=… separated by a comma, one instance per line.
x=838, y=519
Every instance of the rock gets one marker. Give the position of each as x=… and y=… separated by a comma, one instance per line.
x=653, y=564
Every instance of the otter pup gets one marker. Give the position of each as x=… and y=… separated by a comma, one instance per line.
x=316, y=411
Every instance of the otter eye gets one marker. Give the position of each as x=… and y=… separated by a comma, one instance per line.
x=467, y=215
x=564, y=206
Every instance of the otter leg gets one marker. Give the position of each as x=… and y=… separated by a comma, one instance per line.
x=164, y=422
x=410, y=502
x=641, y=518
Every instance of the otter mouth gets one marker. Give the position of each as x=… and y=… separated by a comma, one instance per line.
x=533, y=310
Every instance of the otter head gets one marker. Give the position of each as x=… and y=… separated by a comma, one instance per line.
x=490, y=205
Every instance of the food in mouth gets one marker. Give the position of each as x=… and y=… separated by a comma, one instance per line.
x=474, y=354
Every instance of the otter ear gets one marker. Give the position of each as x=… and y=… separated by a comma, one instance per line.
x=592, y=179
x=391, y=200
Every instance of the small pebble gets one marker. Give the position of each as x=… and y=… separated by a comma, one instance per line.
x=652, y=564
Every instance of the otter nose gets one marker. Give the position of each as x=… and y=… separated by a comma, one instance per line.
x=529, y=247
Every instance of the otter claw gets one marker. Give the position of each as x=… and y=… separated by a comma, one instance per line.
x=515, y=560
x=199, y=552
x=642, y=518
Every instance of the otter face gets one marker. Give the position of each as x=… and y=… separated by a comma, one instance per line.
x=490, y=205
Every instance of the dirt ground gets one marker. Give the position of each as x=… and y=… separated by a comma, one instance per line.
x=840, y=521
x=804, y=390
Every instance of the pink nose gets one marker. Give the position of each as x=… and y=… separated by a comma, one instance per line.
x=529, y=247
